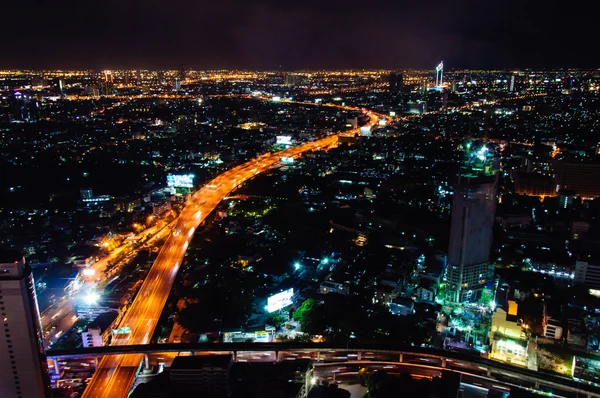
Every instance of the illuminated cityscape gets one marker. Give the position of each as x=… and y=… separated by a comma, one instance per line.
x=323, y=208
x=299, y=200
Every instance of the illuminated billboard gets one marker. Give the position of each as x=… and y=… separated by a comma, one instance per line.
x=286, y=159
x=284, y=140
x=180, y=180
x=365, y=130
x=280, y=300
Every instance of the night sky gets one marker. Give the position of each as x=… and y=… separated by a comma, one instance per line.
x=303, y=34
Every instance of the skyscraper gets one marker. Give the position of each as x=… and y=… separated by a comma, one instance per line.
x=472, y=222
x=23, y=364
x=511, y=87
x=439, y=74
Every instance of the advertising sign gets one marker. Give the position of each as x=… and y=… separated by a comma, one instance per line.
x=180, y=180
x=280, y=300
x=284, y=140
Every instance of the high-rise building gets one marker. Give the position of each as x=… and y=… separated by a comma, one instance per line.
x=587, y=273
x=583, y=178
x=472, y=222
x=23, y=372
x=454, y=87
x=25, y=108
x=396, y=81
x=511, y=88
x=439, y=74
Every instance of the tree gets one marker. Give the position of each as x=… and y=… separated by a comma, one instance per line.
x=306, y=306
x=311, y=317
x=275, y=319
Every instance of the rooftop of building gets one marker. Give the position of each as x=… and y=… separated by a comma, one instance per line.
x=10, y=256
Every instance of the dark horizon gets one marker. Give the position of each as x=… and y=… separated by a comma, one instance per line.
x=270, y=35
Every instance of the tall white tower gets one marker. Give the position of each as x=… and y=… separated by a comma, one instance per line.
x=23, y=372
x=439, y=74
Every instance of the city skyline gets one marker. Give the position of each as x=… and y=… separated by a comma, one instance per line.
x=307, y=225
x=307, y=35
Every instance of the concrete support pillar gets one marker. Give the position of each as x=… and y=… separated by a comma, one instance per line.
x=400, y=357
x=57, y=367
x=234, y=356
x=443, y=362
x=96, y=361
x=277, y=359
x=488, y=373
x=537, y=385
x=146, y=362
x=359, y=356
x=318, y=356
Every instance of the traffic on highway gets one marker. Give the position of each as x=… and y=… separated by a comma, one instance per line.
x=115, y=374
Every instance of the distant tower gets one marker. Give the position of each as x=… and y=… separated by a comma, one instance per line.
x=396, y=81
x=23, y=372
x=108, y=77
x=472, y=222
x=512, y=83
x=424, y=87
x=182, y=73
x=439, y=74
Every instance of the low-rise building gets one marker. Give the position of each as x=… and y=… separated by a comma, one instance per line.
x=587, y=274
x=426, y=290
x=334, y=287
x=402, y=306
x=384, y=294
x=553, y=329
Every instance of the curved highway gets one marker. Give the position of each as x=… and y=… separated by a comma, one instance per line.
x=115, y=374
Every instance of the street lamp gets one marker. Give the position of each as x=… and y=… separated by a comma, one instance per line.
x=91, y=298
x=296, y=266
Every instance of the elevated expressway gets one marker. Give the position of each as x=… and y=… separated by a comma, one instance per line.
x=344, y=361
x=116, y=373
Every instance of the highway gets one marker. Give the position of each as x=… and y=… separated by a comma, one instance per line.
x=115, y=374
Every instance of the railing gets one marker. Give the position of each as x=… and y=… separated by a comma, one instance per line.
x=490, y=366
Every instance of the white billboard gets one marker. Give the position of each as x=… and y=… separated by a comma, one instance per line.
x=286, y=160
x=284, y=140
x=280, y=300
x=180, y=180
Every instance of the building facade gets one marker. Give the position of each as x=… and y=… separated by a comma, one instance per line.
x=23, y=372
x=472, y=222
x=587, y=274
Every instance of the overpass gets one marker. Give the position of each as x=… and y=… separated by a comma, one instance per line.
x=353, y=354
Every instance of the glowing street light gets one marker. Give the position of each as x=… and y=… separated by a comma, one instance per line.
x=296, y=266
x=91, y=298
